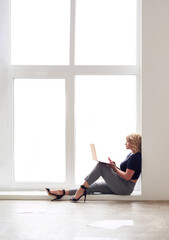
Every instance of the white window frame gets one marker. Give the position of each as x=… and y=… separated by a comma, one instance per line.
x=68, y=73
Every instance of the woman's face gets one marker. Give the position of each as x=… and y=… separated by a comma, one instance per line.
x=128, y=145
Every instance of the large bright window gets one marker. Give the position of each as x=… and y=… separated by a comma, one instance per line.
x=39, y=130
x=105, y=113
x=71, y=73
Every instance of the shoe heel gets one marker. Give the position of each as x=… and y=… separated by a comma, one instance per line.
x=85, y=198
x=53, y=199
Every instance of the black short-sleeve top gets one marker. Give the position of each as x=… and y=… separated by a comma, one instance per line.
x=133, y=162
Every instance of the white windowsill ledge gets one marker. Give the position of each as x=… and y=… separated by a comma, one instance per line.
x=42, y=195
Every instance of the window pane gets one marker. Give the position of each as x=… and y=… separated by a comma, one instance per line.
x=39, y=130
x=105, y=32
x=105, y=112
x=40, y=32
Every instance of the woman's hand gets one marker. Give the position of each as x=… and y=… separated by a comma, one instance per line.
x=112, y=164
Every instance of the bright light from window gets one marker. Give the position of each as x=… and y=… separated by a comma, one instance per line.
x=105, y=32
x=39, y=130
x=105, y=112
x=40, y=32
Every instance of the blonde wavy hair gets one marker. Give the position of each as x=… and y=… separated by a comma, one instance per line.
x=135, y=140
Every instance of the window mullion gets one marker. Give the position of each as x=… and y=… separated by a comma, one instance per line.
x=72, y=32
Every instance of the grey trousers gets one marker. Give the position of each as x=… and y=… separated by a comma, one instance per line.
x=112, y=184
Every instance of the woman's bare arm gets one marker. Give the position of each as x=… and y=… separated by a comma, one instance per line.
x=127, y=175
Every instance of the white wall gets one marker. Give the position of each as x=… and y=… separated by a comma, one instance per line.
x=155, y=99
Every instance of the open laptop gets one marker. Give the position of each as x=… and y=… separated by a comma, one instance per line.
x=93, y=150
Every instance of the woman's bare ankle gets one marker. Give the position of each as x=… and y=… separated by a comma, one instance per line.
x=86, y=184
x=66, y=192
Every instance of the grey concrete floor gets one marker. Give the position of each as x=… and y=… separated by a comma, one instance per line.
x=24, y=220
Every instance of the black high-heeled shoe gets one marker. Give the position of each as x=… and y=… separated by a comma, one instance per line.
x=56, y=195
x=84, y=194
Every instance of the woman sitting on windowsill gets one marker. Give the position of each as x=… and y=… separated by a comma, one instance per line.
x=120, y=181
